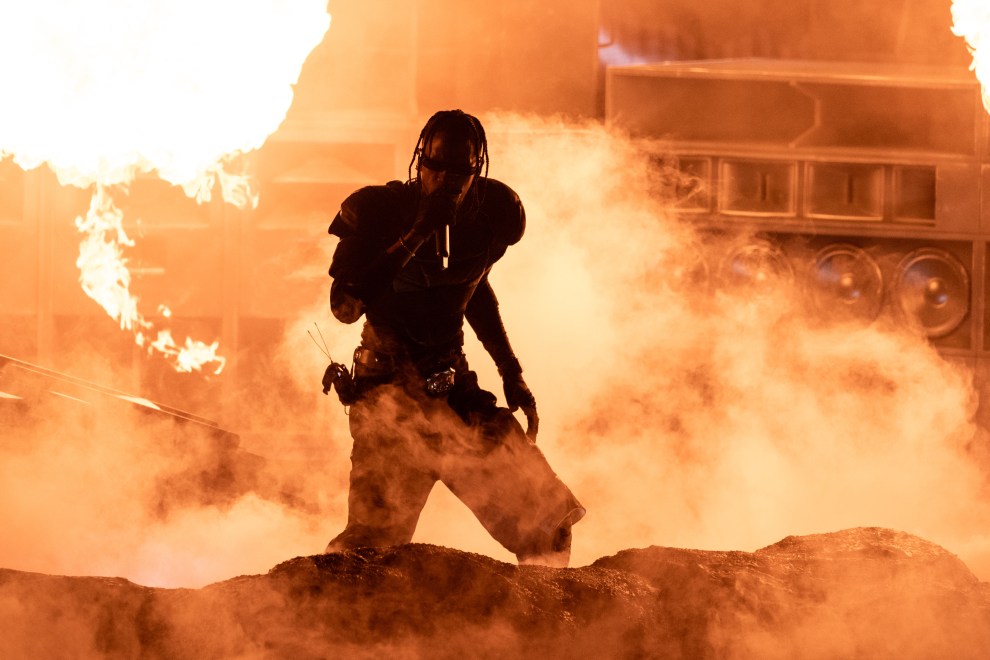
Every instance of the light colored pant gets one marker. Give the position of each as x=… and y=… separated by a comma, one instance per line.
x=404, y=444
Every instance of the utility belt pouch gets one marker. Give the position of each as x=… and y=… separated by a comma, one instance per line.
x=473, y=404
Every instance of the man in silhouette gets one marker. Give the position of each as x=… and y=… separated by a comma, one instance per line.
x=413, y=258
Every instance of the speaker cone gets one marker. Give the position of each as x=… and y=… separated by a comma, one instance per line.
x=846, y=284
x=931, y=290
x=757, y=265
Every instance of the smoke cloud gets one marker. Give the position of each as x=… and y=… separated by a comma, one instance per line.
x=713, y=417
x=680, y=414
x=696, y=415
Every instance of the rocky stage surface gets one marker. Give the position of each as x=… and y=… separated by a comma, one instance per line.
x=858, y=593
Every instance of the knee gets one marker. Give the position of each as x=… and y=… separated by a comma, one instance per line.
x=561, y=541
x=555, y=554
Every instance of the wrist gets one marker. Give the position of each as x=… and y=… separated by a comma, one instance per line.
x=510, y=368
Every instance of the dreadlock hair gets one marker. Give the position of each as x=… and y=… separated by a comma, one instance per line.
x=460, y=126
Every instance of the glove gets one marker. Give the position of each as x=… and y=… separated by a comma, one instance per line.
x=517, y=395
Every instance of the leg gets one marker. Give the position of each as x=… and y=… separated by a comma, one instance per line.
x=389, y=482
x=509, y=486
x=558, y=553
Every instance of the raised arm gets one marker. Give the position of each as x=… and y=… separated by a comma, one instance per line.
x=376, y=242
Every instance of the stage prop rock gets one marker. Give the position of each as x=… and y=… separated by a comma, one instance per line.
x=866, y=592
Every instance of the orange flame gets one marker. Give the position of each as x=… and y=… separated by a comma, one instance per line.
x=971, y=20
x=103, y=269
x=108, y=89
x=190, y=357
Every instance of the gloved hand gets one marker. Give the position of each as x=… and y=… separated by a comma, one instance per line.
x=517, y=395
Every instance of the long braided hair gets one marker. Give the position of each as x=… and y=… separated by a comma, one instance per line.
x=460, y=126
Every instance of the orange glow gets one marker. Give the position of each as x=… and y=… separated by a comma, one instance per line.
x=110, y=89
x=971, y=20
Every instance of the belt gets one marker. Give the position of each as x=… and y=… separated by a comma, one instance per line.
x=374, y=360
x=378, y=365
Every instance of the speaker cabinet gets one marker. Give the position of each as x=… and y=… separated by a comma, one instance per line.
x=786, y=104
x=860, y=184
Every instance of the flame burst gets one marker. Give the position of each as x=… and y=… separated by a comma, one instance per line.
x=971, y=21
x=104, y=90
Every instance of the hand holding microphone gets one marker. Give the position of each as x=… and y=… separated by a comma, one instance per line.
x=434, y=216
x=435, y=211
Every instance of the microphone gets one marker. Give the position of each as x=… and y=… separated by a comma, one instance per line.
x=447, y=207
x=443, y=241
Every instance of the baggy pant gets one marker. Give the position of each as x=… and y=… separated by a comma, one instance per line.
x=404, y=444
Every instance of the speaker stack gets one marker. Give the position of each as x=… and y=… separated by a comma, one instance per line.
x=861, y=184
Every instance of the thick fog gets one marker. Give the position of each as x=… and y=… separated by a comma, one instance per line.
x=681, y=410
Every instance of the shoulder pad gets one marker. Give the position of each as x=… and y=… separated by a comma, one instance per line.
x=364, y=206
x=503, y=206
